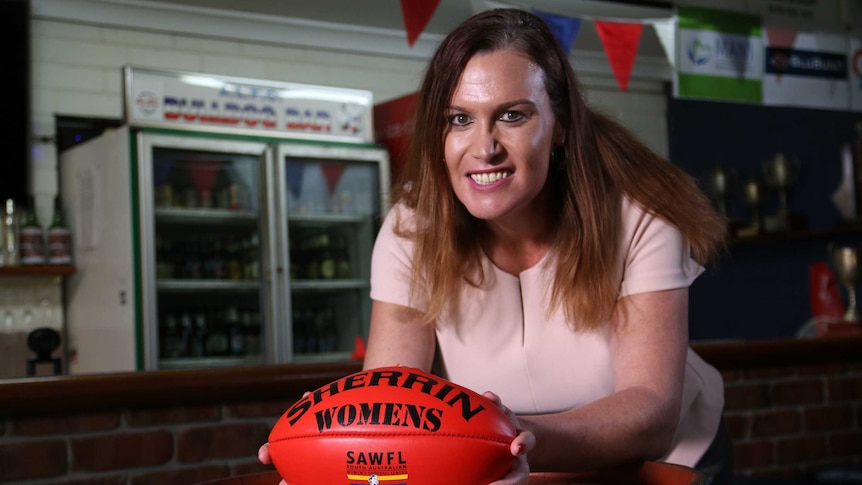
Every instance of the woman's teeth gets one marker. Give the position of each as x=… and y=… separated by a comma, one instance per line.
x=489, y=178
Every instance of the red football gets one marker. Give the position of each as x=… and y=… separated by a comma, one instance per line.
x=392, y=426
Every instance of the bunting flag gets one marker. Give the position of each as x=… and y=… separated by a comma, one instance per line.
x=332, y=173
x=294, y=177
x=416, y=15
x=565, y=29
x=665, y=30
x=620, y=37
x=620, y=41
x=778, y=38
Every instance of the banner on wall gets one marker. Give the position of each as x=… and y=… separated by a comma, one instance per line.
x=855, y=72
x=805, y=69
x=719, y=55
x=798, y=13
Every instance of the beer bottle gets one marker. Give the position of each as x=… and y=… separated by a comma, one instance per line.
x=31, y=238
x=59, y=238
x=11, y=253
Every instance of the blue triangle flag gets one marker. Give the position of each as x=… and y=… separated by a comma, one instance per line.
x=565, y=29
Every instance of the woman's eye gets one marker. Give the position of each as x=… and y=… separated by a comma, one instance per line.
x=512, y=116
x=459, y=119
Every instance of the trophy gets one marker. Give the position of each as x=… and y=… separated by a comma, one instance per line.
x=781, y=175
x=721, y=183
x=751, y=194
x=845, y=260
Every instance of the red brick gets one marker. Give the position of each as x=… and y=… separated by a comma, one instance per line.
x=222, y=441
x=248, y=467
x=183, y=476
x=753, y=455
x=730, y=376
x=825, y=370
x=265, y=409
x=798, y=450
x=158, y=417
x=828, y=418
x=845, y=389
x=846, y=444
x=112, y=480
x=746, y=396
x=114, y=452
x=798, y=392
x=32, y=459
x=769, y=373
x=738, y=425
x=773, y=423
x=65, y=424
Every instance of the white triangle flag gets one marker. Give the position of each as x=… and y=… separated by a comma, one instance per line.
x=665, y=30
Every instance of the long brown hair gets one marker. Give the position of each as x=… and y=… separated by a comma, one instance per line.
x=599, y=162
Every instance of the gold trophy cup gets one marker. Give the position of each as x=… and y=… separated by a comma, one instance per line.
x=845, y=261
x=721, y=184
x=780, y=174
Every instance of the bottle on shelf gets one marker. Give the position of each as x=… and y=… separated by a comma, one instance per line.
x=327, y=260
x=172, y=339
x=11, y=255
x=343, y=269
x=236, y=337
x=252, y=258
x=31, y=238
x=59, y=238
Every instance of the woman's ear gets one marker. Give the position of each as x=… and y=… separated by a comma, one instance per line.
x=559, y=134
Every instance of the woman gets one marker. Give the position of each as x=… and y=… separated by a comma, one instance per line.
x=538, y=250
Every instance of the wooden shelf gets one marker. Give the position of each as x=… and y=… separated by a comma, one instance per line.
x=38, y=270
x=796, y=235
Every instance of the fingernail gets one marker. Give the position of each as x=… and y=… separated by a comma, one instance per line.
x=521, y=448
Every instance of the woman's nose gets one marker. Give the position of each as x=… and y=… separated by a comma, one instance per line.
x=484, y=144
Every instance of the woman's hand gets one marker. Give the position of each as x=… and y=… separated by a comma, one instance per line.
x=263, y=452
x=520, y=446
x=263, y=457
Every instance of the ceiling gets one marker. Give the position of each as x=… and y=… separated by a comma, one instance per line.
x=386, y=14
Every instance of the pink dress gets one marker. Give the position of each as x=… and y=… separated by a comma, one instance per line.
x=500, y=339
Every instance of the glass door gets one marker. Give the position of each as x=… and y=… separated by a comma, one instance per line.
x=333, y=199
x=205, y=246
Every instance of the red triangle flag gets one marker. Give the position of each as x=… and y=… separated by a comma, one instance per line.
x=620, y=41
x=416, y=15
x=783, y=39
x=332, y=173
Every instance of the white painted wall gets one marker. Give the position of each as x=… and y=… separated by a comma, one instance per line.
x=80, y=46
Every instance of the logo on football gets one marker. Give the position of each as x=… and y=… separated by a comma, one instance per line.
x=392, y=426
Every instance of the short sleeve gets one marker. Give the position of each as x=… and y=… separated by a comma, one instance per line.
x=656, y=254
x=391, y=262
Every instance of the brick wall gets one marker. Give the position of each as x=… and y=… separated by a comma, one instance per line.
x=790, y=422
x=787, y=422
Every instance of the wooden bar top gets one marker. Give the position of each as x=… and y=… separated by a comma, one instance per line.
x=647, y=473
x=95, y=392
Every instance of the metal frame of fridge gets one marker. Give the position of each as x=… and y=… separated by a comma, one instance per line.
x=145, y=142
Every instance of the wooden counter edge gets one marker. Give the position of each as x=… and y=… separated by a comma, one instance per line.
x=136, y=390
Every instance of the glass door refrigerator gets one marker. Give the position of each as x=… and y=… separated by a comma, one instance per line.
x=330, y=213
x=217, y=229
